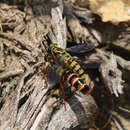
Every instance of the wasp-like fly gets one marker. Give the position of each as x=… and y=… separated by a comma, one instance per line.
x=68, y=69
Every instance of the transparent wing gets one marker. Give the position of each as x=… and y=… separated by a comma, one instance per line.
x=91, y=64
x=82, y=48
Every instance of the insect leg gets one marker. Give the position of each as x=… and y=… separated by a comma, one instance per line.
x=45, y=76
x=62, y=87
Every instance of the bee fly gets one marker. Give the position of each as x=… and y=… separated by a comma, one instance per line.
x=69, y=69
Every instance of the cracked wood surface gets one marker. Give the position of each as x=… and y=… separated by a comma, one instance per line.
x=25, y=102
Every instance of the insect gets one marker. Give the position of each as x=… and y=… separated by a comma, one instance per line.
x=68, y=69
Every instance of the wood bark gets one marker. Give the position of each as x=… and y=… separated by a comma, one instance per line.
x=25, y=101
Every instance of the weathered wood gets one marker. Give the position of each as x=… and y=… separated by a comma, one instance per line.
x=25, y=102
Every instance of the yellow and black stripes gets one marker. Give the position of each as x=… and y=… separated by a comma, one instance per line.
x=70, y=69
x=59, y=52
x=68, y=60
x=77, y=69
x=77, y=82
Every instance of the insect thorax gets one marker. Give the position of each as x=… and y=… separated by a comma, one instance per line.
x=60, y=55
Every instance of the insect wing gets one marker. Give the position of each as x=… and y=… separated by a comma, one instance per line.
x=91, y=64
x=82, y=48
x=52, y=77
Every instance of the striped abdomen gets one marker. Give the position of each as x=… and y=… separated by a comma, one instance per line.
x=77, y=82
x=75, y=66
